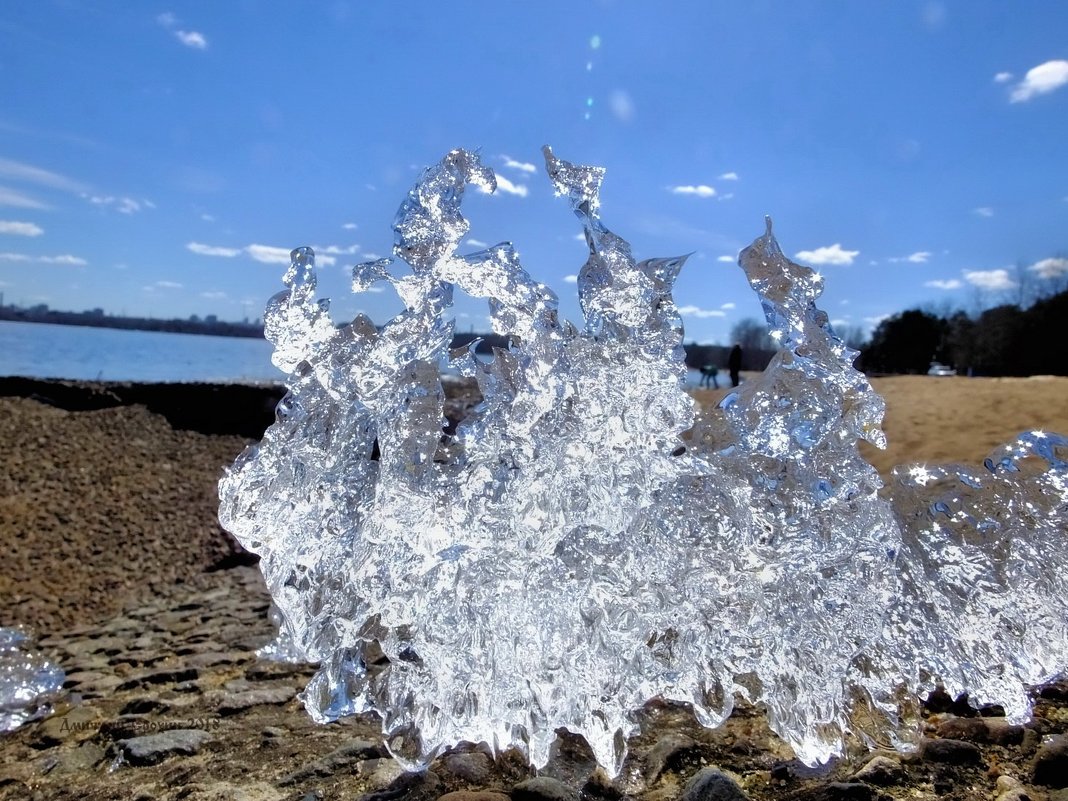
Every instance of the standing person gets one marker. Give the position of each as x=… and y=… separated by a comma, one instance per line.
x=734, y=364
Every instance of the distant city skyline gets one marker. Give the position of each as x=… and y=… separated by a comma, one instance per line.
x=163, y=160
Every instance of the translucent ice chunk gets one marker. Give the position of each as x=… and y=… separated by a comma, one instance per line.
x=565, y=555
x=28, y=682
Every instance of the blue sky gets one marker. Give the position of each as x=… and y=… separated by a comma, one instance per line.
x=162, y=159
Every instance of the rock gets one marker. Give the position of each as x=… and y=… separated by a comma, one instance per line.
x=154, y=748
x=473, y=795
x=842, y=791
x=348, y=754
x=710, y=784
x=80, y=723
x=78, y=760
x=952, y=752
x=667, y=752
x=168, y=676
x=880, y=770
x=1009, y=788
x=268, y=696
x=472, y=767
x=1051, y=763
x=982, y=730
x=543, y=788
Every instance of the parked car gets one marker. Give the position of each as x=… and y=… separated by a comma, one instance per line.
x=937, y=368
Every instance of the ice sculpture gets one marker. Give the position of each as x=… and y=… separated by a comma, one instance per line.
x=566, y=555
x=28, y=682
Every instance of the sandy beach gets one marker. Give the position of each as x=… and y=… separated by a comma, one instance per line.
x=113, y=555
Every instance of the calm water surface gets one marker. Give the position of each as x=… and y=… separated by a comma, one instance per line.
x=38, y=350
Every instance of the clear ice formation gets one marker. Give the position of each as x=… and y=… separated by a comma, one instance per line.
x=28, y=682
x=566, y=555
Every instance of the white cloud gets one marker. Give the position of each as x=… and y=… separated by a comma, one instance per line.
x=20, y=228
x=350, y=226
x=727, y=259
x=9, y=197
x=476, y=243
x=167, y=19
x=212, y=250
x=167, y=285
x=695, y=311
x=213, y=295
x=207, y=218
x=336, y=250
x=833, y=254
x=193, y=39
x=878, y=318
x=1003, y=77
x=993, y=280
x=1041, y=80
x=268, y=254
x=123, y=205
x=65, y=259
x=701, y=190
x=507, y=187
x=727, y=306
x=729, y=176
x=984, y=211
x=522, y=166
x=571, y=279
x=580, y=238
x=726, y=196
x=621, y=105
x=949, y=283
x=27, y=173
x=1050, y=268
x=919, y=257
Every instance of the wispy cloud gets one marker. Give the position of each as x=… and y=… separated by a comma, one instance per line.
x=701, y=190
x=697, y=311
x=831, y=254
x=167, y=285
x=212, y=250
x=729, y=176
x=522, y=166
x=476, y=243
x=1003, y=77
x=20, y=228
x=193, y=39
x=571, y=279
x=213, y=295
x=983, y=211
x=28, y=173
x=622, y=105
x=1040, y=80
x=727, y=306
x=15, y=199
x=335, y=250
x=123, y=205
x=266, y=254
x=993, y=280
x=727, y=259
x=350, y=226
x=947, y=283
x=1050, y=268
x=507, y=187
x=64, y=259
x=919, y=257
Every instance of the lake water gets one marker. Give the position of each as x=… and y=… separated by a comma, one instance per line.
x=39, y=350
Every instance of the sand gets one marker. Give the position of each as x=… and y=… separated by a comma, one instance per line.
x=958, y=419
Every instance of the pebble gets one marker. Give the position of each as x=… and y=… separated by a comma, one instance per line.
x=232, y=703
x=1051, y=763
x=880, y=770
x=953, y=752
x=151, y=749
x=710, y=784
x=472, y=767
x=544, y=788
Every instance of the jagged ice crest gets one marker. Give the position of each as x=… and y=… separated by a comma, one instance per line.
x=566, y=555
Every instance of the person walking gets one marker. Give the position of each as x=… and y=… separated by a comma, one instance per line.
x=734, y=365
